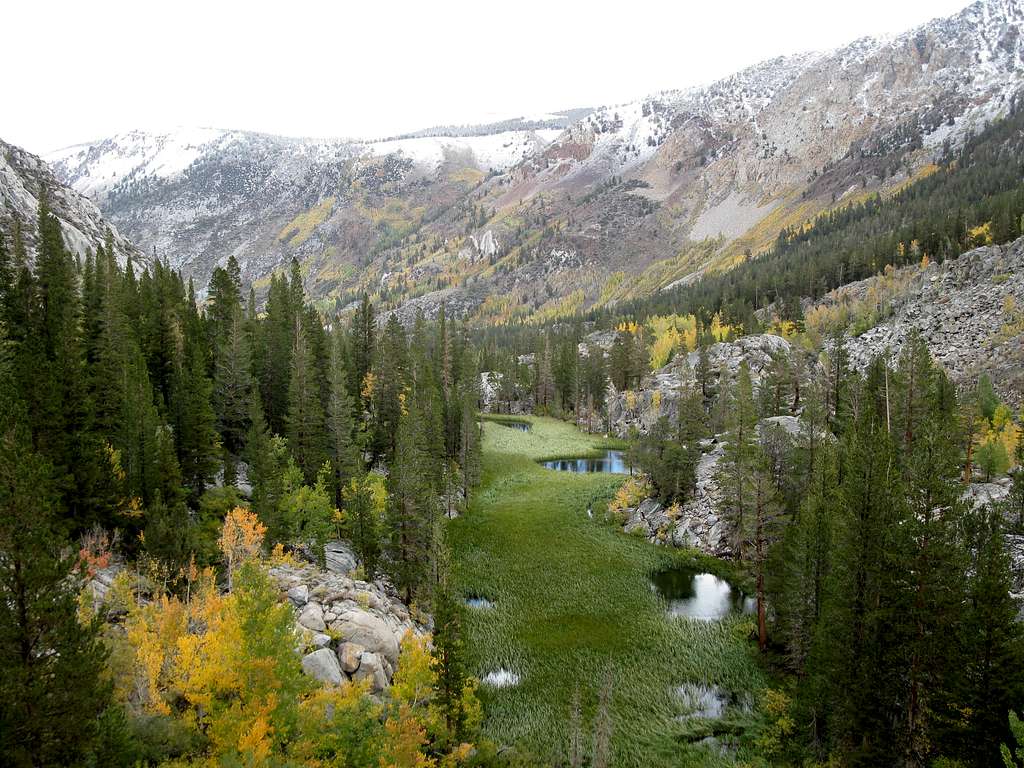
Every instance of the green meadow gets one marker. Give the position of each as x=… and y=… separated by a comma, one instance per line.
x=574, y=610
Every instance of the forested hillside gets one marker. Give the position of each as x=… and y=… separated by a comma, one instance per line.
x=182, y=450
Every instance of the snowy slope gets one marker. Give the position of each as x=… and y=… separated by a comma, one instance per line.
x=98, y=168
x=499, y=151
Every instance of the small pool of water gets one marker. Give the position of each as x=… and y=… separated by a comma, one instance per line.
x=500, y=678
x=522, y=426
x=700, y=596
x=704, y=702
x=479, y=603
x=612, y=461
x=700, y=701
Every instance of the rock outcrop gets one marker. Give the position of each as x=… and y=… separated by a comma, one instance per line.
x=969, y=311
x=359, y=624
x=699, y=523
x=658, y=393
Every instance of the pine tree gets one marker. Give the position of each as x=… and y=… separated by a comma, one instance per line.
x=859, y=669
x=362, y=523
x=363, y=347
x=412, y=505
x=50, y=364
x=52, y=690
x=469, y=446
x=307, y=438
x=232, y=384
x=993, y=642
x=926, y=412
x=193, y=420
x=345, y=457
x=545, y=391
x=278, y=334
x=225, y=291
x=739, y=463
x=449, y=664
x=267, y=458
x=388, y=389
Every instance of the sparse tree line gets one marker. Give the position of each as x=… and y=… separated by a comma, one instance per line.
x=131, y=418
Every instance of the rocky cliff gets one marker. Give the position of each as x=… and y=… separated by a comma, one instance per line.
x=970, y=312
x=23, y=179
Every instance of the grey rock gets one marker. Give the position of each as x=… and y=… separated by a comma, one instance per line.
x=960, y=310
x=320, y=640
x=322, y=665
x=340, y=557
x=299, y=595
x=312, y=617
x=371, y=668
x=658, y=393
x=348, y=656
x=369, y=630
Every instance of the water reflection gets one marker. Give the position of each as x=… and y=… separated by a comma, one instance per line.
x=612, y=461
x=522, y=426
x=701, y=596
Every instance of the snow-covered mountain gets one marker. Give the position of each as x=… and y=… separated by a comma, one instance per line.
x=544, y=216
x=23, y=178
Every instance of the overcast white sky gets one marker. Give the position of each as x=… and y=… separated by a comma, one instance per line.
x=78, y=71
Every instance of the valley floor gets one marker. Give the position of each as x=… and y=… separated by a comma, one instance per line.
x=574, y=611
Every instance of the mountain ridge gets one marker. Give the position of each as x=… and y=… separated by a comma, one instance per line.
x=628, y=199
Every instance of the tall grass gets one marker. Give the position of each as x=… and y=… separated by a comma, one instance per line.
x=574, y=607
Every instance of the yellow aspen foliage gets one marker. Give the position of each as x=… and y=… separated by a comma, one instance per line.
x=785, y=328
x=631, y=400
x=981, y=235
x=406, y=737
x=369, y=381
x=472, y=708
x=458, y=756
x=154, y=631
x=241, y=538
x=665, y=345
x=207, y=661
x=630, y=493
x=256, y=742
x=415, y=678
x=336, y=723
x=656, y=400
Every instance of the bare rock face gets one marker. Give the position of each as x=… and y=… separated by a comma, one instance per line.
x=371, y=667
x=23, y=177
x=349, y=655
x=312, y=617
x=359, y=624
x=340, y=557
x=377, y=633
x=699, y=524
x=658, y=394
x=636, y=182
x=969, y=311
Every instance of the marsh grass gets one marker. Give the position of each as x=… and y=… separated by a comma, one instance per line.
x=574, y=606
